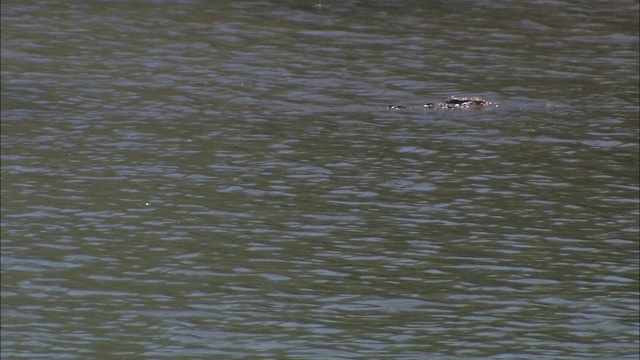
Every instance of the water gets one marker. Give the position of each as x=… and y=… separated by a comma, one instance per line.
x=196, y=180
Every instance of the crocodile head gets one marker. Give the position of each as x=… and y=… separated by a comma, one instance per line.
x=459, y=103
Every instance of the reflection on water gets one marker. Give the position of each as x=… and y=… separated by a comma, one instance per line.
x=222, y=180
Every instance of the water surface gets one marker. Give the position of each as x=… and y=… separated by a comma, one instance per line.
x=223, y=180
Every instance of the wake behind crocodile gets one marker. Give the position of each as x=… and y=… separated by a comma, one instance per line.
x=474, y=103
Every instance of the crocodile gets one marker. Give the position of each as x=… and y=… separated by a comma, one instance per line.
x=452, y=103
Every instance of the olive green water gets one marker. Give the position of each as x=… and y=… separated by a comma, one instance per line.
x=188, y=180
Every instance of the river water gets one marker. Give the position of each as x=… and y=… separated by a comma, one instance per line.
x=200, y=180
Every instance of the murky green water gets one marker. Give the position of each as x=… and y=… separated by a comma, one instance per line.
x=193, y=180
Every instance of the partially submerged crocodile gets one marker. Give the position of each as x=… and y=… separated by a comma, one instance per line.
x=452, y=103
